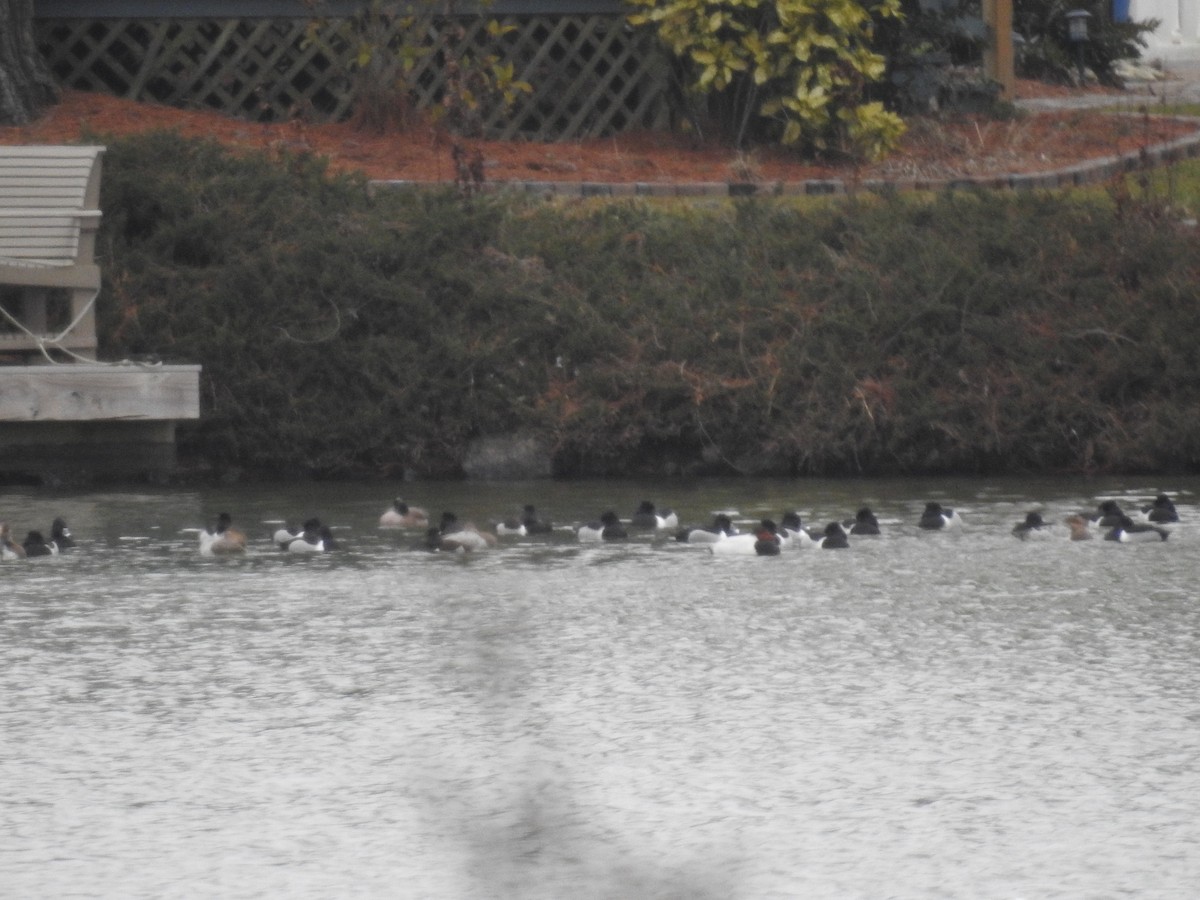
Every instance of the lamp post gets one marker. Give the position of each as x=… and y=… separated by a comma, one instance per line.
x=1077, y=34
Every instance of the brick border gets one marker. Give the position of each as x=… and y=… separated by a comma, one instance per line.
x=1090, y=172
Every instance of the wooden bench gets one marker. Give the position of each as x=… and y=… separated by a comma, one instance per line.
x=49, y=281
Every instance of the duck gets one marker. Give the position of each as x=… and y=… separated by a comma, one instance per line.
x=834, y=537
x=401, y=515
x=762, y=541
x=1161, y=512
x=9, y=549
x=315, y=538
x=526, y=524
x=793, y=534
x=767, y=542
x=35, y=545
x=648, y=517
x=1108, y=514
x=938, y=518
x=463, y=536
x=1127, y=531
x=285, y=535
x=223, y=540
x=722, y=525
x=534, y=525
x=1033, y=526
x=1079, y=528
x=607, y=528
x=511, y=527
x=864, y=522
x=60, y=534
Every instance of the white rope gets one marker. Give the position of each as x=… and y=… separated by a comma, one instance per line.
x=54, y=341
x=43, y=341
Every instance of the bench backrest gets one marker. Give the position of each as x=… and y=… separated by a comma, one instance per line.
x=49, y=204
x=49, y=213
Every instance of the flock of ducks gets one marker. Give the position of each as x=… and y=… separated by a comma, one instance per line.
x=721, y=536
x=35, y=543
x=768, y=537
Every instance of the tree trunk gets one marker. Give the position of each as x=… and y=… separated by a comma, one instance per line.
x=26, y=87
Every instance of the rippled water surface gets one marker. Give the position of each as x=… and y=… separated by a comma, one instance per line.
x=920, y=716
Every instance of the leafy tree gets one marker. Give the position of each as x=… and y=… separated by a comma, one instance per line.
x=796, y=71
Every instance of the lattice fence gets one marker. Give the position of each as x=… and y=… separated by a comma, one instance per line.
x=591, y=74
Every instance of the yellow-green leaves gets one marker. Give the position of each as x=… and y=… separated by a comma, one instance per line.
x=807, y=63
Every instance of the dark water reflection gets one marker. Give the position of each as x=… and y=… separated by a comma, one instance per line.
x=920, y=716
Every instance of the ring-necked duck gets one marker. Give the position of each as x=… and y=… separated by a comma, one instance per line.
x=607, y=528
x=60, y=534
x=722, y=525
x=1033, y=527
x=864, y=522
x=1127, y=531
x=793, y=534
x=1162, y=511
x=35, y=545
x=315, y=538
x=938, y=518
x=647, y=516
x=835, y=537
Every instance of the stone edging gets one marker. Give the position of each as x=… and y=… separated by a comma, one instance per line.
x=1089, y=172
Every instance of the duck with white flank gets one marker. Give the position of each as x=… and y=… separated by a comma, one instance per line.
x=607, y=528
x=1161, y=512
x=1108, y=514
x=938, y=518
x=526, y=524
x=35, y=545
x=60, y=534
x=1127, y=531
x=864, y=522
x=722, y=526
x=224, y=540
x=762, y=541
x=401, y=515
x=1033, y=527
x=533, y=524
x=648, y=517
x=285, y=535
x=313, y=538
x=793, y=535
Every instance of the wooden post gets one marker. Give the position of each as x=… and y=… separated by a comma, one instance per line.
x=998, y=56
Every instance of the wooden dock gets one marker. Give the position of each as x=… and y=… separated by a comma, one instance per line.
x=64, y=416
x=77, y=423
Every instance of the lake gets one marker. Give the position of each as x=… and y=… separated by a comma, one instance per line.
x=923, y=715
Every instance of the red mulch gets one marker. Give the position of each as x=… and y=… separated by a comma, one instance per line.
x=954, y=146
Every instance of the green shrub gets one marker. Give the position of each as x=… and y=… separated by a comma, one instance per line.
x=784, y=70
x=1045, y=51
x=342, y=335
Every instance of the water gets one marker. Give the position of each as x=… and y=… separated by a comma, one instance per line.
x=921, y=716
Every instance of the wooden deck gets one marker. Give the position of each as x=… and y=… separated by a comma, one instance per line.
x=79, y=423
x=87, y=393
